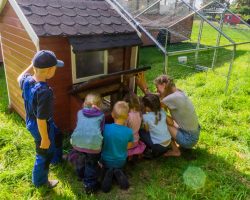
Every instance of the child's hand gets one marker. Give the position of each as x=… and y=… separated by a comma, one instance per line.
x=130, y=145
x=45, y=144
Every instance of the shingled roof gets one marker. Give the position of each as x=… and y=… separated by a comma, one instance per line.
x=80, y=44
x=73, y=17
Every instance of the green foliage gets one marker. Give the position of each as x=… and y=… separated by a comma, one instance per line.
x=243, y=10
x=245, y=17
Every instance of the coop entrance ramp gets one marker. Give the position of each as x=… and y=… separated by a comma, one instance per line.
x=106, y=84
x=198, y=29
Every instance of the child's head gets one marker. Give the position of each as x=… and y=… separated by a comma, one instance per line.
x=151, y=102
x=92, y=99
x=132, y=100
x=120, y=110
x=164, y=85
x=45, y=64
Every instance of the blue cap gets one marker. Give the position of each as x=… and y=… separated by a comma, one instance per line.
x=45, y=59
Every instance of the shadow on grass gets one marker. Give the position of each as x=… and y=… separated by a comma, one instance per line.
x=163, y=178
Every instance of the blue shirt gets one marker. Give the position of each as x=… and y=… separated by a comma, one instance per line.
x=43, y=98
x=116, y=139
x=158, y=132
x=88, y=131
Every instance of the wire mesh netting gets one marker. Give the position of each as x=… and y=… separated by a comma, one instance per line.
x=174, y=18
x=193, y=34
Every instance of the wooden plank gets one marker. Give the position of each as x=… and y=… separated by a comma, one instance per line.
x=19, y=47
x=54, y=41
x=60, y=45
x=14, y=95
x=94, y=84
x=127, y=57
x=19, y=110
x=27, y=43
x=8, y=10
x=13, y=66
x=102, y=90
x=11, y=21
x=15, y=30
x=17, y=55
x=12, y=80
x=16, y=101
x=133, y=59
x=18, y=64
x=11, y=73
x=110, y=77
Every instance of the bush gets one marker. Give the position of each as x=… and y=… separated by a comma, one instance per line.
x=246, y=18
x=243, y=10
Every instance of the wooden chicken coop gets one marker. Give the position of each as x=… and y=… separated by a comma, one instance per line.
x=98, y=46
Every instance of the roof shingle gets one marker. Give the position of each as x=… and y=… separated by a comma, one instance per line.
x=80, y=44
x=73, y=17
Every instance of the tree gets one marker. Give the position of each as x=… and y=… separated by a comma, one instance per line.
x=240, y=3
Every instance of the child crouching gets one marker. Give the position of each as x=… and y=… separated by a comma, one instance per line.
x=114, y=152
x=87, y=139
x=134, y=121
x=155, y=133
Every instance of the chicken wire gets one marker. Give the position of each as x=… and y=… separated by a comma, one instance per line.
x=209, y=41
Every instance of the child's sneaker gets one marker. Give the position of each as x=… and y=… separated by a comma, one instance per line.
x=121, y=179
x=107, y=181
x=148, y=153
x=91, y=190
x=52, y=183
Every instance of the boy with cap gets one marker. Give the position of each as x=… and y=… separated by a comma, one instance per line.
x=38, y=101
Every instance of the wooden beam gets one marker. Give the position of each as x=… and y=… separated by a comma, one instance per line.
x=113, y=76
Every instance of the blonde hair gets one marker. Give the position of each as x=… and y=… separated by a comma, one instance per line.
x=164, y=79
x=167, y=80
x=92, y=99
x=120, y=110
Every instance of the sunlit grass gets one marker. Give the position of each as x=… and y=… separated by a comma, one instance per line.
x=223, y=152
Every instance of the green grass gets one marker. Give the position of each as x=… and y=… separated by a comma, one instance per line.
x=223, y=152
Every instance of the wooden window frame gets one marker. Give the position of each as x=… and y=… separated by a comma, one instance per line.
x=73, y=64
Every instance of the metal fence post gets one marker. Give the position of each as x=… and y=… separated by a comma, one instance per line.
x=198, y=41
x=230, y=68
x=218, y=40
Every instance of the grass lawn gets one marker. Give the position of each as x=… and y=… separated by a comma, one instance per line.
x=221, y=170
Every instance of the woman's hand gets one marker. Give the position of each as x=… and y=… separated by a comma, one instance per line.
x=141, y=82
x=164, y=106
x=170, y=121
